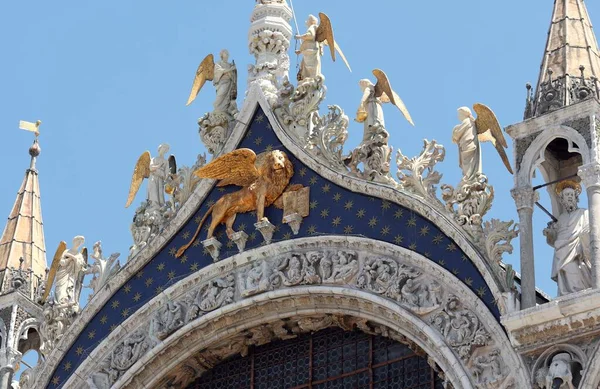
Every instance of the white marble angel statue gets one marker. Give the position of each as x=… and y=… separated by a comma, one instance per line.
x=157, y=170
x=68, y=268
x=313, y=41
x=570, y=237
x=468, y=135
x=374, y=151
x=223, y=74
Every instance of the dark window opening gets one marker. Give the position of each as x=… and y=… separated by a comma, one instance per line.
x=331, y=358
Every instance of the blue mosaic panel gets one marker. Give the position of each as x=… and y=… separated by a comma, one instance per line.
x=334, y=210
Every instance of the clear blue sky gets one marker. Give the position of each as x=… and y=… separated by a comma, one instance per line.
x=110, y=79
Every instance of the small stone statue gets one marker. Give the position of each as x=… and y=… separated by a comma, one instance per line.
x=156, y=170
x=313, y=41
x=570, y=237
x=468, y=135
x=66, y=274
x=374, y=151
x=216, y=126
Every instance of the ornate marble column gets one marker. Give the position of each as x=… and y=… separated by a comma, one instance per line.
x=9, y=359
x=590, y=177
x=269, y=41
x=524, y=199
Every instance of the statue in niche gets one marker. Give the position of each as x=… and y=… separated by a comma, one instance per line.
x=313, y=41
x=570, y=237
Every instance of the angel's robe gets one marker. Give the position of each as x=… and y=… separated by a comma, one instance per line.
x=370, y=113
x=67, y=285
x=159, y=170
x=571, y=267
x=225, y=82
x=469, y=155
x=310, y=67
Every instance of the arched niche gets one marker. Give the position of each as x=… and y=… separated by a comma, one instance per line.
x=557, y=153
x=249, y=295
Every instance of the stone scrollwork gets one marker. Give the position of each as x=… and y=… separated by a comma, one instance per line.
x=328, y=137
x=214, y=130
x=121, y=358
x=469, y=202
x=102, y=268
x=411, y=171
x=298, y=108
x=374, y=154
x=148, y=222
x=497, y=241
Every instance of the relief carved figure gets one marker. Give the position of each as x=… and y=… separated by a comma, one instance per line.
x=460, y=327
x=570, y=237
x=125, y=355
x=403, y=284
x=344, y=266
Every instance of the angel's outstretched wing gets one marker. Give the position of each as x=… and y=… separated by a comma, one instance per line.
x=341, y=53
x=325, y=33
x=62, y=246
x=141, y=171
x=237, y=168
x=206, y=71
x=325, y=36
x=489, y=130
x=384, y=91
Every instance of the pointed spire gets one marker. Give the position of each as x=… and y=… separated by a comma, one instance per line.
x=571, y=64
x=22, y=244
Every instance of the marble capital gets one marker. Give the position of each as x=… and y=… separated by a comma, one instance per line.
x=590, y=175
x=524, y=197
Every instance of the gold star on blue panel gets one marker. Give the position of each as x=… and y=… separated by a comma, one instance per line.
x=334, y=210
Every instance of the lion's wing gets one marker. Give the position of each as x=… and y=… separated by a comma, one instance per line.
x=234, y=168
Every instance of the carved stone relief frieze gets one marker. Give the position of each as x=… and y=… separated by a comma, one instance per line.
x=121, y=358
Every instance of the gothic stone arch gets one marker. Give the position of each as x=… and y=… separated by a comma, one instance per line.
x=534, y=155
x=260, y=295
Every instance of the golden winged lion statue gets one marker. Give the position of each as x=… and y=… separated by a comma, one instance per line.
x=319, y=34
x=471, y=132
x=263, y=178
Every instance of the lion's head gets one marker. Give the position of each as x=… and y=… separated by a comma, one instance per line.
x=276, y=165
